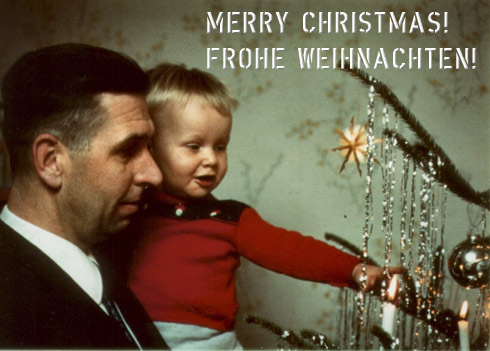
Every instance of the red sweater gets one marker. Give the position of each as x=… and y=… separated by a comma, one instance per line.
x=184, y=266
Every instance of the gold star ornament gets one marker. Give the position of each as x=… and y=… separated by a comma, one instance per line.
x=353, y=145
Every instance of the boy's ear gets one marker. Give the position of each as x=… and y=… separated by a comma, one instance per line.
x=47, y=155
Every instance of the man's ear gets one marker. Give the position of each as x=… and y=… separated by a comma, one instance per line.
x=47, y=154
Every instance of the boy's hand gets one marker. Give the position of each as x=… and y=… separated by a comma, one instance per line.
x=374, y=276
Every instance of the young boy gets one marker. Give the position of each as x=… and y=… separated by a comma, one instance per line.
x=184, y=264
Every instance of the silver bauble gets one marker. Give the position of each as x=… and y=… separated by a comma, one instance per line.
x=469, y=262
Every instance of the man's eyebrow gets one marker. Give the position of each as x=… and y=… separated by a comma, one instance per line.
x=130, y=140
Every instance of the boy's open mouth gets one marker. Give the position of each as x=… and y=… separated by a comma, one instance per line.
x=206, y=179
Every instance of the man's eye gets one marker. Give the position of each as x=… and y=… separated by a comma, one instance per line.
x=129, y=151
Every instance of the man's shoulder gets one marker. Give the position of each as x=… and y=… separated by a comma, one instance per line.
x=19, y=263
x=8, y=242
x=42, y=307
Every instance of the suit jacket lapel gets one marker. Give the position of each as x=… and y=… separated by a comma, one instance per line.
x=65, y=304
x=38, y=262
x=69, y=297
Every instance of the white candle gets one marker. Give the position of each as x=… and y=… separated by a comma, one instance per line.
x=389, y=310
x=464, y=340
x=388, y=321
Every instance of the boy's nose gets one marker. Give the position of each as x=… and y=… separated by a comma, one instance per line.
x=210, y=158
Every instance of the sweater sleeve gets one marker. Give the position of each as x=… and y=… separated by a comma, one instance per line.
x=291, y=253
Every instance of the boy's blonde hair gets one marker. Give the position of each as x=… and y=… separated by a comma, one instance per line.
x=171, y=83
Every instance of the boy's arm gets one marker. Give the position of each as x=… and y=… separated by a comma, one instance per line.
x=291, y=253
x=303, y=257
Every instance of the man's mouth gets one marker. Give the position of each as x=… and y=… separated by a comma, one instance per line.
x=131, y=205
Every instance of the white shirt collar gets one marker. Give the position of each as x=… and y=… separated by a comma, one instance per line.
x=82, y=268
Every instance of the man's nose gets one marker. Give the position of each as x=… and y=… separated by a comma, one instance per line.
x=148, y=172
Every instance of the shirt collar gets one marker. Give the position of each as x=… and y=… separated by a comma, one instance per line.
x=168, y=198
x=82, y=268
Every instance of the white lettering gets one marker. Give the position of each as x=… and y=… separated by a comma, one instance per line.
x=281, y=20
x=305, y=28
x=397, y=24
x=211, y=58
x=433, y=21
x=215, y=23
x=417, y=23
x=381, y=59
x=395, y=62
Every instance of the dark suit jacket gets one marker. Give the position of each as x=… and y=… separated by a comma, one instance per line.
x=42, y=307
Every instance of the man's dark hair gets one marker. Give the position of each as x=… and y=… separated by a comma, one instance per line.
x=56, y=90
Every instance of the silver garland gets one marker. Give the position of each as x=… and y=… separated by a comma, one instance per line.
x=368, y=210
x=422, y=224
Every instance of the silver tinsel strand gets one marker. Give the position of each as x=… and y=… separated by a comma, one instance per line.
x=368, y=211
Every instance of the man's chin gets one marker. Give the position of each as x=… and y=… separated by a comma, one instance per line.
x=122, y=224
x=115, y=229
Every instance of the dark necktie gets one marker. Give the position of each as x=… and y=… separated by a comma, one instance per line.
x=114, y=312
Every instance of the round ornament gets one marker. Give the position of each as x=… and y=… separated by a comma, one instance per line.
x=469, y=262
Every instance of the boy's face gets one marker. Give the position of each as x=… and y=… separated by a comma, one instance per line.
x=190, y=148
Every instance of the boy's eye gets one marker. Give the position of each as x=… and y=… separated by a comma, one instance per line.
x=193, y=147
x=221, y=148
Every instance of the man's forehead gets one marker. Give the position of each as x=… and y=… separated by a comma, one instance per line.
x=126, y=116
x=124, y=104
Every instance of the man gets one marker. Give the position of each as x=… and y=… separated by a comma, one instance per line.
x=77, y=129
